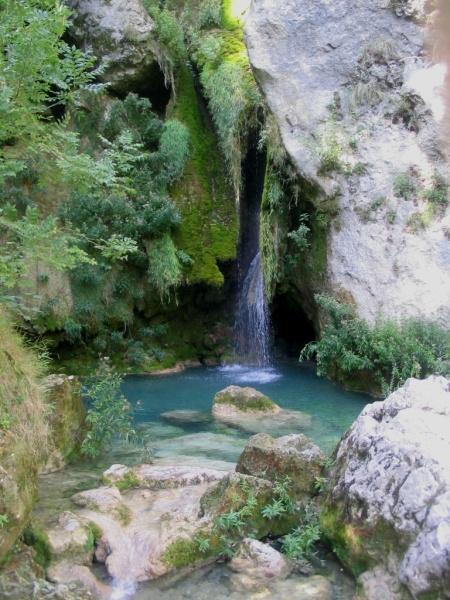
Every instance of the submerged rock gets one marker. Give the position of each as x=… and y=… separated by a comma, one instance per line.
x=388, y=509
x=186, y=416
x=293, y=456
x=255, y=565
x=218, y=445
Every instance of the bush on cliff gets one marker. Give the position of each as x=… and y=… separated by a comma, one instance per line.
x=386, y=354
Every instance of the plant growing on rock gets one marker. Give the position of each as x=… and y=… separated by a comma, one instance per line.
x=404, y=186
x=300, y=543
x=109, y=414
x=386, y=354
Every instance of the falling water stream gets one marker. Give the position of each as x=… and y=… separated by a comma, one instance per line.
x=252, y=323
x=253, y=320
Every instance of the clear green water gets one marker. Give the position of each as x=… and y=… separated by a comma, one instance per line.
x=292, y=386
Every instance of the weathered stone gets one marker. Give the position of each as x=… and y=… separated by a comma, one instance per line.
x=293, y=456
x=120, y=34
x=65, y=572
x=67, y=419
x=163, y=518
x=255, y=565
x=389, y=499
x=160, y=477
x=106, y=500
x=358, y=103
x=21, y=578
x=235, y=400
x=70, y=539
x=316, y=587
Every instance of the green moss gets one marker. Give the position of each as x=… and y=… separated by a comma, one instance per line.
x=208, y=231
x=123, y=514
x=34, y=535
x=128, y=481
x=185, y=552
x=261, y=403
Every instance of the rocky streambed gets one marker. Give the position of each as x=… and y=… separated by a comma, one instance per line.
x=193, y=527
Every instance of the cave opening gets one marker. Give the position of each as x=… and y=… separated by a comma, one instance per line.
x=150, y=84
x=292, y=327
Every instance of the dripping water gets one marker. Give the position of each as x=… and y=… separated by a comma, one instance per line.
x=252, y=324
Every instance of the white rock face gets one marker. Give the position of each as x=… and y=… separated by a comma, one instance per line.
x=393, y=471
x=350, y=80
x=118, y=33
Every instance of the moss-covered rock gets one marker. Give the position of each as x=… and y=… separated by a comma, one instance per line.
x=235, y=400
x=67, y=419
x=208, y=230
x=292, y=456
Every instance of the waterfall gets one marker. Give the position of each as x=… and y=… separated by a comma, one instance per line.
x=252, y=323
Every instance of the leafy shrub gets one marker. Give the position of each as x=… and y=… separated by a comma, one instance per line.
x=437, y=195
x=388, y=352
x=300, y=543
x=330, y=158
x=404, y=186
x=299, y=237
x=109, y=414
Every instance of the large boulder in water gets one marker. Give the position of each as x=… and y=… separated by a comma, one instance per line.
x=387, y=512
x=249, y=410
x=293, y=456
x=235, y=401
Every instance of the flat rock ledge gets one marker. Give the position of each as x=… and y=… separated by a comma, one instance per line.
x=388, y=509
x=160, y=477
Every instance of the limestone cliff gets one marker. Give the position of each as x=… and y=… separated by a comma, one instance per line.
x=358, y=103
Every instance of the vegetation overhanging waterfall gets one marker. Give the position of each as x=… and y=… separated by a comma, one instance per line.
x=252, y=325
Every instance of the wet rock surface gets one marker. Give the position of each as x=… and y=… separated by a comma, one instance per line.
x=388, y=509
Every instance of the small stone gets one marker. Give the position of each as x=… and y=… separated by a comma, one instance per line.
x=256, y=564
